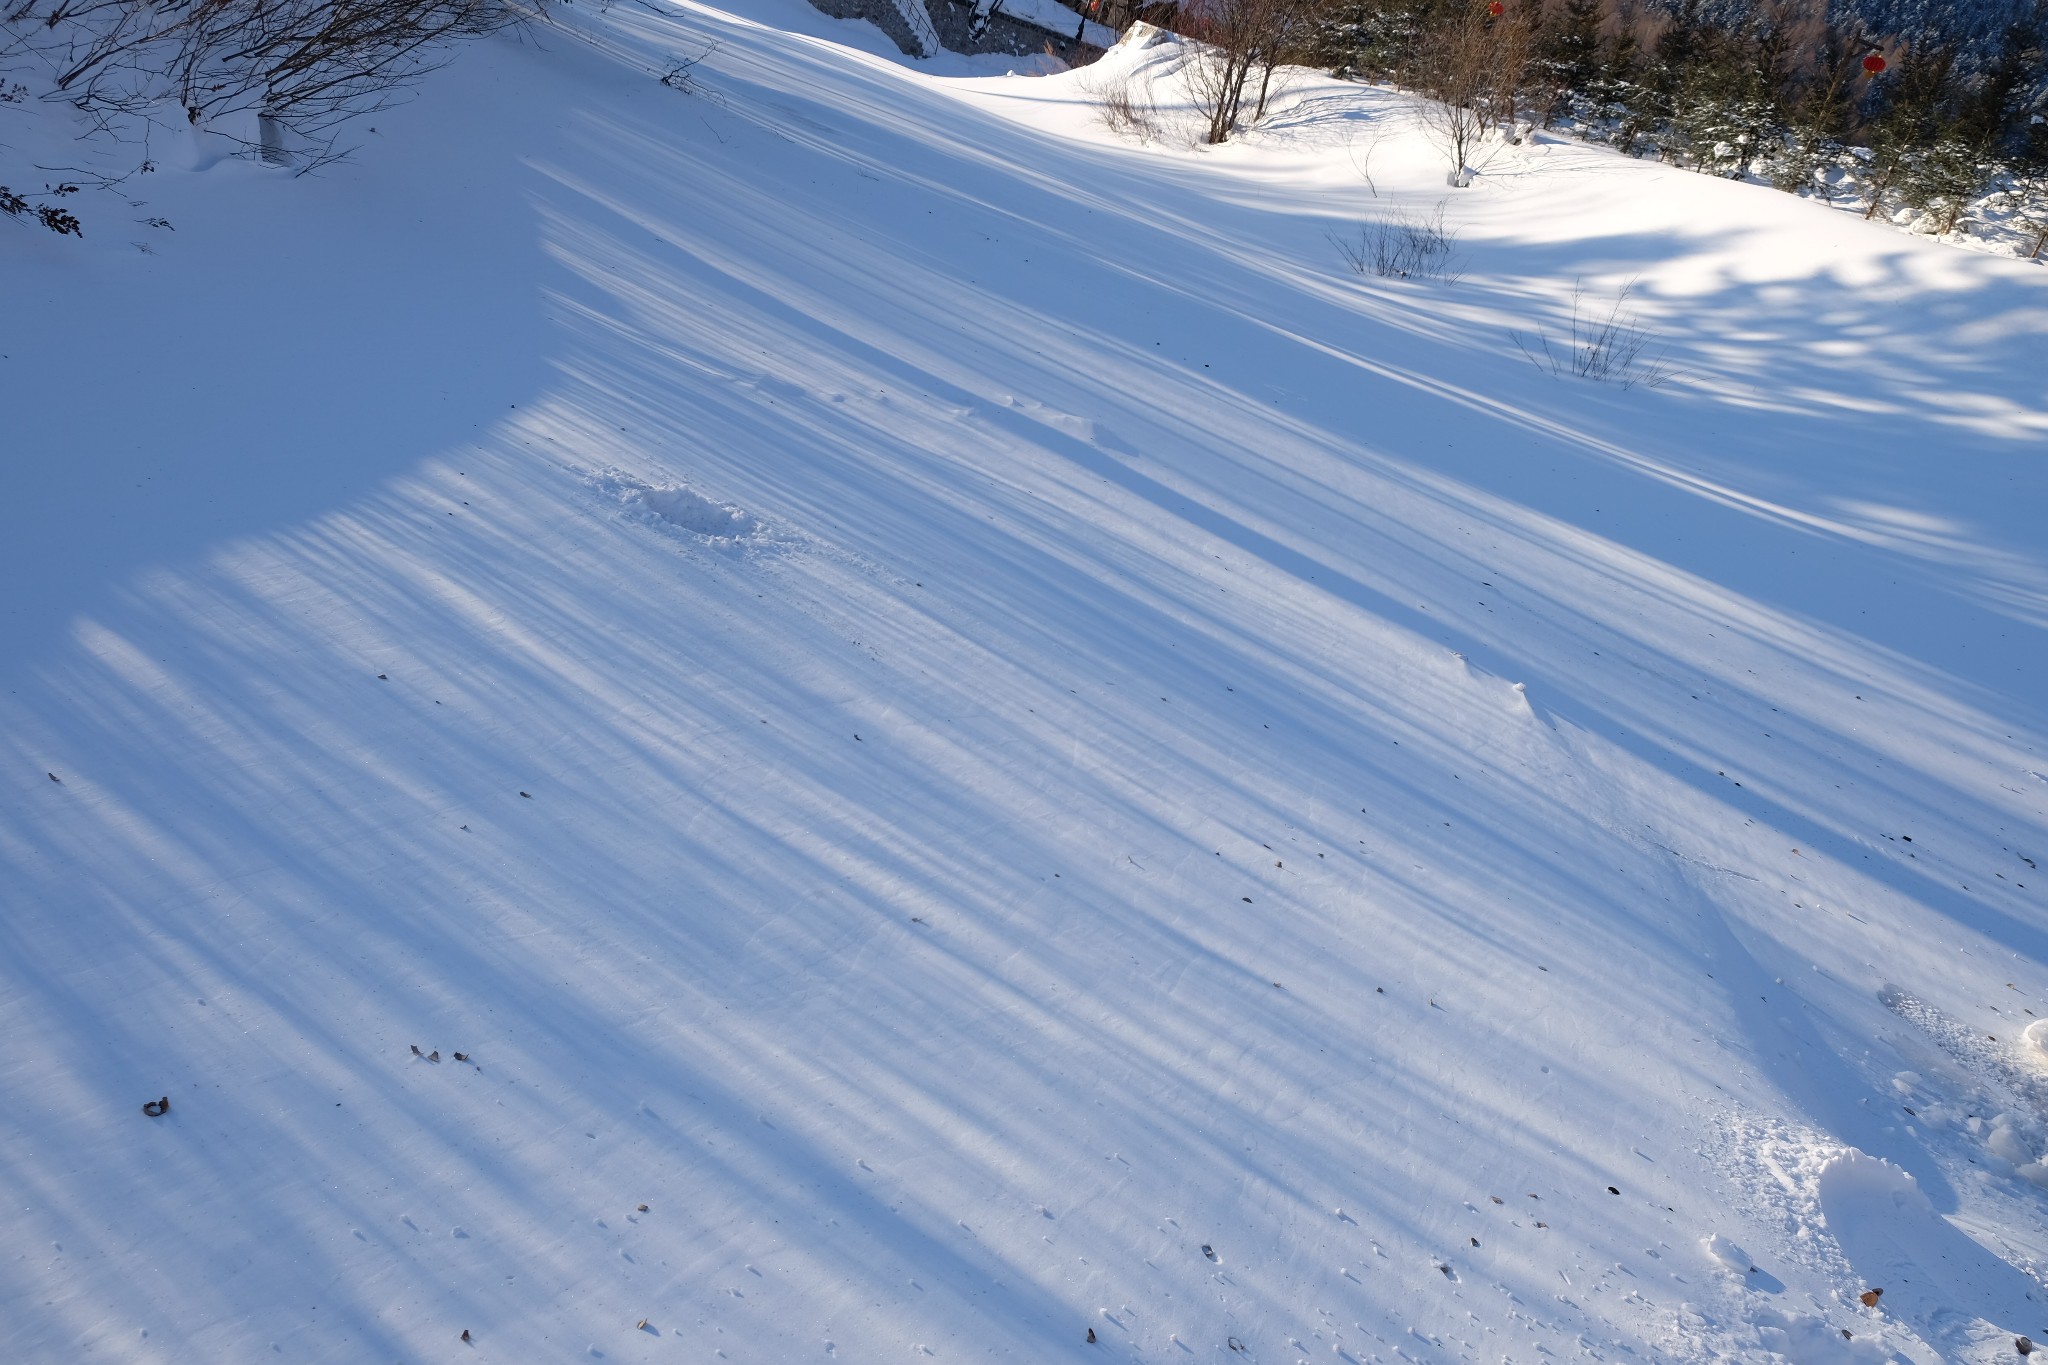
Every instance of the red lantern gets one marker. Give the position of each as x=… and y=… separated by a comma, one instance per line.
x=1496, y=9
x=1873, y=64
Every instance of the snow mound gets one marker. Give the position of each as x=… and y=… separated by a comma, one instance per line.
x=1812, y=1340
x=2036, y=1036
x=692, y=512
x=1728, y=1253
x=675, y=508
x=1951, y=1290
x=1856, y=1180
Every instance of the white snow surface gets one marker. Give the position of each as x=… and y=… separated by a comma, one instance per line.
x=949, y=702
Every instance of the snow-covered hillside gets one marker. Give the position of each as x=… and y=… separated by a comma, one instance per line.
x=980, y=743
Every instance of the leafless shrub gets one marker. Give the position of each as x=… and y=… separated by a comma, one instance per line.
x=1456, y=129
x=55, y=217
x=2026, y=200
x=1404, y=246
x=681, y=74
x=1609, y=347
x=1471, y=69
x=1218, y=70
x=1287, y=34
x=1242, y=44
x=298, y=66
x=1363, y=165
x=1126, y=110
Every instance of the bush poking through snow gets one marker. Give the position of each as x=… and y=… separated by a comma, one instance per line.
x=1918, y=127
x=58, y=220
x=1126, y=111
x=1611, y=348
x=1403, y=247
x=1471, y=69
x=296, y=66
x=1241, y=44
x=682, y=74
x=2026, y=201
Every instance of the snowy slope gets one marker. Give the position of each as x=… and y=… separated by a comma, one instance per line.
x=950, y=703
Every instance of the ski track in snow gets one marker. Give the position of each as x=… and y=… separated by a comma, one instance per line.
x=944, y=701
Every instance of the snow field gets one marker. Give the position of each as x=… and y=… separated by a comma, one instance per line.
x=946, y=700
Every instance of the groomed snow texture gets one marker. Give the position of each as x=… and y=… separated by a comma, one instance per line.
x=945, y=698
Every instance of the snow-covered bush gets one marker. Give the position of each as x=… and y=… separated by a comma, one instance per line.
x=1240, y=44
x=1405, y=246
x=1923, y=124
x=51, y=215
x=1609, y=346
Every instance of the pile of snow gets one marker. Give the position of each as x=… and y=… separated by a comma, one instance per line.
x=1728, y=1253
x=673, y=507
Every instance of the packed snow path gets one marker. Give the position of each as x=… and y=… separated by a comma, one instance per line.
x=950, y=704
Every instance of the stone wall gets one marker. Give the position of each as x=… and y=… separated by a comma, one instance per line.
x=883, y=14
x=954, y=21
